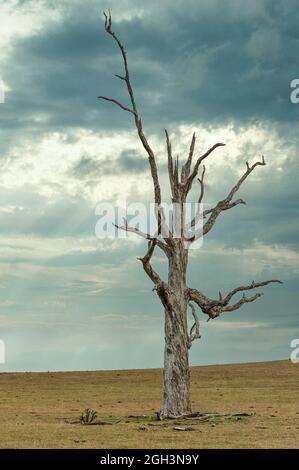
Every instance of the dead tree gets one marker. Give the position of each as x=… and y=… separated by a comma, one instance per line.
x=174, y=293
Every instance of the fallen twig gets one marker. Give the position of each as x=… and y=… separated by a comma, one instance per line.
x=179, y=428
x=207, y=416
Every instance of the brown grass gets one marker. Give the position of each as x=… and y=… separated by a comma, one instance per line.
x=41, y=410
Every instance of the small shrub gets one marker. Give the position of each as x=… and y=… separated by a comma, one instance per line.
x=88, y=416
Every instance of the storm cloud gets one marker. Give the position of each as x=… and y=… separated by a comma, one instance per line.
x=220, y=68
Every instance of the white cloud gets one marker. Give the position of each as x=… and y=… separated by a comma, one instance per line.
x=23, y=21
x=233, y=325
x=46, y=163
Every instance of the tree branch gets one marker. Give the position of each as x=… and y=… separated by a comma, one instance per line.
x=186, y=167
x=117, y=103
x=202, y=189
x=214, y=308
x=152, y=274
x=227, y=203
x=199, y=298
x=142, y=234
x=253, y=285
x=170, y=167
x=137, y=119
x=194, y=331
x=241, y=302
x=190, y=179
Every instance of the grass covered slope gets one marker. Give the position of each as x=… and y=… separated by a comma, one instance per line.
x=42, y=410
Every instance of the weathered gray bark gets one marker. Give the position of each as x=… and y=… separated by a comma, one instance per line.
x=176, y=379
x=174, y=294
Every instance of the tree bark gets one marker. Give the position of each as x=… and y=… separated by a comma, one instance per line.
x=176, y=382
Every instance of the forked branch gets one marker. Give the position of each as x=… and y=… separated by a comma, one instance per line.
x=214, y=308
x=227, y=203
x=242, y=301
x=253, y=285
x=140, y=233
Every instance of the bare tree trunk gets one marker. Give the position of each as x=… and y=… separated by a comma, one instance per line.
x=176, y=383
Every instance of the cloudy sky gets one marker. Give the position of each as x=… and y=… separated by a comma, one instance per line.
x=221, y=68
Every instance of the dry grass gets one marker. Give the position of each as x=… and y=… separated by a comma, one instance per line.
x=38, y=410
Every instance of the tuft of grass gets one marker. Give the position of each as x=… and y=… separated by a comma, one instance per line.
x=88, y=416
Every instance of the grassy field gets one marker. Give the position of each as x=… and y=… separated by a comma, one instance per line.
x=42, y=410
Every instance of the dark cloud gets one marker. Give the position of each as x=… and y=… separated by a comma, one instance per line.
x=88, y=166
x=129, y=161
x=212, y=64
x=132, y=161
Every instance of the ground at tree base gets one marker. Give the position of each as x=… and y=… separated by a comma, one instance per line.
x=42, y=410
